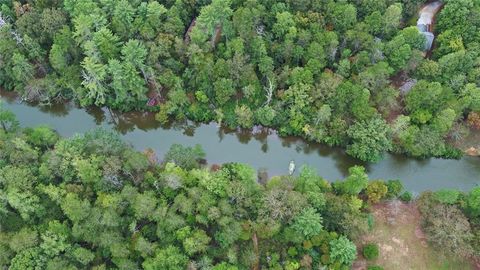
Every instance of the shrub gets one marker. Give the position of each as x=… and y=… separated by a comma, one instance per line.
x=370, y=221
x=370, y=251
x=452, y=153
x=473, y=120
x=447, y=196
x=394, y=188
x=375, y=267
x=406, y=196
x=342, y=250
x=376, y=191
x=448, y=229
x=184, y=156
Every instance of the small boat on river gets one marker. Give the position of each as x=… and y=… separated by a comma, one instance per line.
x=291, y=167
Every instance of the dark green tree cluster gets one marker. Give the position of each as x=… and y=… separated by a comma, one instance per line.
x=317, y=69
x=92, y=202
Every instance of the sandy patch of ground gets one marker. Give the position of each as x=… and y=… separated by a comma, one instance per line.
x=470, y=144
x=402, y=243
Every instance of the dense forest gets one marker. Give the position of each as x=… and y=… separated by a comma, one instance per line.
x=320, y=69
x=92, y=202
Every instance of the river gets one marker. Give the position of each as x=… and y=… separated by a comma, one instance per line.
x=262, y=149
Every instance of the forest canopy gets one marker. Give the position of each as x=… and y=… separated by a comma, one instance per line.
x=317, y=69
x=92, y=202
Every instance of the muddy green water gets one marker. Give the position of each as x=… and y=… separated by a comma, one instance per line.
x=261, y=148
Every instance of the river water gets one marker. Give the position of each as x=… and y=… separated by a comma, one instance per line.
x=262, y=149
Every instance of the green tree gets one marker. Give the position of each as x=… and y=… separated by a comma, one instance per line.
x=354, y=183
x=392, y=18
x=24, y=239
x=473, y=203
x=376, y=77
x=394, y=188
x=343, y=16
x=122, y=19
x=370, y=139
x=376, y=191
x=108, y=44
x=447, y=196
x=83, y=255
x=94, y=75
x=22, y=72
x=244, y=116
x=308, y=223
x=343, y=250
x=223, y=90
x=31, y=258
x=168, y=258
x=185, y=157
x=8, y=120
x=197, y=242
x=217, y=14
x=42, y=136
x=266, y=115
x=425, y=97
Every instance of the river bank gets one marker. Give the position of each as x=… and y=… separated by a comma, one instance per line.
x=262, y=149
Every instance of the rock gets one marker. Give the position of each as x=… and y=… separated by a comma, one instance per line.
x=472, y=151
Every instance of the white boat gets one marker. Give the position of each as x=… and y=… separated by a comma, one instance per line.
x=291, y=167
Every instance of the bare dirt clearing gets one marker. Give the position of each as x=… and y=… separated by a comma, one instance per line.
x=402, y=243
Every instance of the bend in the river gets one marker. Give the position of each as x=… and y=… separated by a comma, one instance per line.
x=261, y=149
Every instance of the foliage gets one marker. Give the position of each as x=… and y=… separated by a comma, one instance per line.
x=370, y=140
x=319, y=70
x=8, y=120
x=370, y=251
x=91, y=201
x=447, y=196
x=394, y=187
x=308, y=223
x=473, y=203
x=446, y=226
x=376, y=191
x=185, y=157
x=343, y=250
x=406, y=196
x=354, y=183
x=473, y=120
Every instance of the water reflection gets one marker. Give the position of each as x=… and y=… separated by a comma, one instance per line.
x=260, y=147
x=59, y=110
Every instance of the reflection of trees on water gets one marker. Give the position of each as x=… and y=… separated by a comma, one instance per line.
x=56, y=109
x=220, y=134
x=342, y=161
x=244, y=136
x=127, y=122
x=59, y=109
x=264, y=147
x=189, y=129
x=97, y=114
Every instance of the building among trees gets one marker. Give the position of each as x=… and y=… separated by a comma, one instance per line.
x=425, y=22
